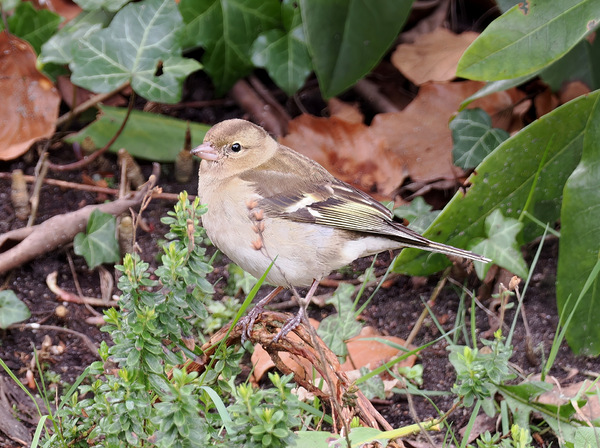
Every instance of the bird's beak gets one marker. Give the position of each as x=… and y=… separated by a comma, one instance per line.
x=206, y=151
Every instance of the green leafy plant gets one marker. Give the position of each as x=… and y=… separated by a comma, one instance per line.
x=98, y=244
x=134, y=396
x=12, y=310
x=35, y=26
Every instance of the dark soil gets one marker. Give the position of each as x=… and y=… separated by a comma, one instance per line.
x=393, y=311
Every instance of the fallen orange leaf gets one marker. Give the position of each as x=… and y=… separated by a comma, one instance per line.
x=29, y=99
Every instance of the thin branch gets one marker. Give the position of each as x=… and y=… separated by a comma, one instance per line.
x=87, y=104
x=87, y=160
x=93, y=188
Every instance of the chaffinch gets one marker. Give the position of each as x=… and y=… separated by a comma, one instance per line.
x=267, y=203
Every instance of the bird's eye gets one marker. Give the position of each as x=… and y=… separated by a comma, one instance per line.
x=236, y=147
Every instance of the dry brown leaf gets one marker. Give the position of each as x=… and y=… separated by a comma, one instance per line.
x=419, y=135
x=29, y=99
x=349, y=151
x=433, y=57
x=345, y=111
x=372, y=354
x=545, y=102
x=572, y=90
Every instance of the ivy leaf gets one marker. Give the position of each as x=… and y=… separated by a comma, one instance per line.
x=501, y=245
x=60, y=47
x=418, y=213
x=35, y=26
x=140, y=46
x=226, y=29
x=474, y=138
x=284, y=54
x=98, y=245
x=12, y=310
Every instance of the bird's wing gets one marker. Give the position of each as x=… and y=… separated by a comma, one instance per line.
x=315, y=196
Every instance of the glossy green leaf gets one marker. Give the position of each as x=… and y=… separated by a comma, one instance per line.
x=527, y=38
x=285, y=57
x=580, y=243
x=547, y=151
x=140, y=46
x=474, y=138
x=501, y=245
x=283, y=53
x=60, y=47
x=582, y=63
x=147, y=136
x=347, y=38
x=35, y=26
x=226, y=29
x=12, y=310
x=99, y=244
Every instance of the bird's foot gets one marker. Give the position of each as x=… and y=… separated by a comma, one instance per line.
x=247, y=322
x=291, y=324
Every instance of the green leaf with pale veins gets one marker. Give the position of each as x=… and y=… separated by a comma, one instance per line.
x=579, y=244
x=60, y=47
x=284, y=53
x=348, y=38
x=140, y=46
x=99, y=244
x=226, y=29
x=474, y=138
x=418, y=213
x=501, y=245
x=12, y=310
x=527, y=38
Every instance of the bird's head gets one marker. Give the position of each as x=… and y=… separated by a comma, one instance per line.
x=234, y=146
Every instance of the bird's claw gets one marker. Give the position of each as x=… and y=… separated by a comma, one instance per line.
x=247, y=322
x=290, y=325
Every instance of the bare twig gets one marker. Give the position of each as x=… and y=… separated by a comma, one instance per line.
x=60, y=229
x=87, y=160
x=34, y=326
x=40, y=173
x=370, y=92
x=258, y=109
x=87, y=104
x=94, y=188
x=269, y=98
x=434, y=295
